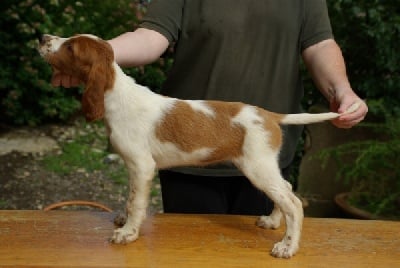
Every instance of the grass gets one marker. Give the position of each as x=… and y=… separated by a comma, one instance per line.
x=86, y=153
x=75, y=155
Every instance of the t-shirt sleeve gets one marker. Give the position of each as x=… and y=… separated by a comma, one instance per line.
x=316, y=23
x=164, y=16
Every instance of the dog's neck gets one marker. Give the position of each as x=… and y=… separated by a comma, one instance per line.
x=128, y=97
x=125, y=83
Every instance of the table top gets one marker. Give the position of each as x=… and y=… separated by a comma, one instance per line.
x=80, y=239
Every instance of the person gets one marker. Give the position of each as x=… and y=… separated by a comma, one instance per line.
x=246, y=51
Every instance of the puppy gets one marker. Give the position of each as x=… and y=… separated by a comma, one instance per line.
x=150, y=132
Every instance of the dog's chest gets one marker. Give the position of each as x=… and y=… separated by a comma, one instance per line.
x=133, y=107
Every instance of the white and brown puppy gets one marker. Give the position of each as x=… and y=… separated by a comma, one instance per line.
x=150, y=132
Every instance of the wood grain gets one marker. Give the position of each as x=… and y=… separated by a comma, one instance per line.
x=80, y=239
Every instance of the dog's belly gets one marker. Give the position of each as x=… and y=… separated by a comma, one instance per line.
x=168, y=155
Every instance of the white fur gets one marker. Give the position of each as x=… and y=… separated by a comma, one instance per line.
x=132, y=114
x=176, y=156
x=201, y=106
x=52, y=44
x=302, y=119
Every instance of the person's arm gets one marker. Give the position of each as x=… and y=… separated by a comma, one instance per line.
x=140, y=47
x=325, y=62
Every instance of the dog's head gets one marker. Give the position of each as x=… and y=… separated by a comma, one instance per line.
x=88, y=58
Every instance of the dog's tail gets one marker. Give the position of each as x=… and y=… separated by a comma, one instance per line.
x=306, y=118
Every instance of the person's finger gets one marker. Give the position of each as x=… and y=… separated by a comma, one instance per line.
x=354, y=115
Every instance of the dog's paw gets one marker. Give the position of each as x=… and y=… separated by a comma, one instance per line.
x=124, y=236
x=284, y=249
x=268, y=222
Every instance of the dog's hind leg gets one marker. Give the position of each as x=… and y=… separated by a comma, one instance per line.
x=265, y=174
x=272, y=221
x=140, y=176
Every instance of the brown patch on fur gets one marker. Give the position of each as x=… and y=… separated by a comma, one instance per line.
x=271, y=124
x=91, y=61
x=191, y=130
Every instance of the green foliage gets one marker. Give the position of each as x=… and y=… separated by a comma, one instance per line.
x=26, y=95
x=374, y=174
x=368, y=32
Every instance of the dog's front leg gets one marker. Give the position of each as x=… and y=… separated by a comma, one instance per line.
x=140, y=175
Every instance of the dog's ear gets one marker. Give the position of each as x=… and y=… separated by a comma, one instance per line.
x=99, y=76
x=93, y=96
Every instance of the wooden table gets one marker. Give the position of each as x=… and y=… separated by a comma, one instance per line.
x=80, y=239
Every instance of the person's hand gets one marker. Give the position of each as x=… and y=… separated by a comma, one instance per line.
x=64, y=80
x=341, y=104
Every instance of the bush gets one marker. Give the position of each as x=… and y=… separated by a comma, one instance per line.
x=25, y=91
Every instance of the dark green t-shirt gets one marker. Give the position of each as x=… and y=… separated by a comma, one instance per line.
x=240, y=50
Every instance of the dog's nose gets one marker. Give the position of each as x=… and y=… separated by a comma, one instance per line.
x=44, y=38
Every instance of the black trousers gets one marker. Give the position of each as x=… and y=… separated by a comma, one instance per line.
x=183, y=193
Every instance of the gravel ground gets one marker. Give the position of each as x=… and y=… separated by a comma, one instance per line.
x=26, y=183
